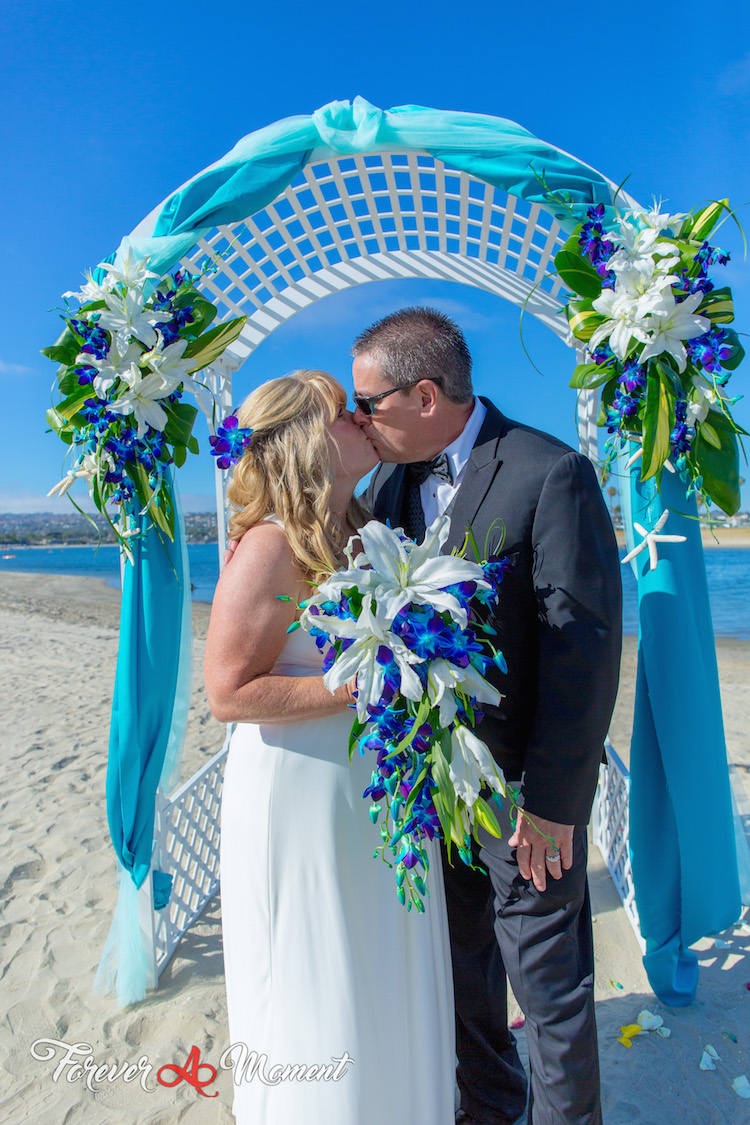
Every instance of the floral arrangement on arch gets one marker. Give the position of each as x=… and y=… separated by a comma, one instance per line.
x=126, y=359
x=655, y=327
x=411, y=624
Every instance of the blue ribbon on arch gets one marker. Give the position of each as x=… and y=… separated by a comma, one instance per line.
x=685, y=876
x=263, y=163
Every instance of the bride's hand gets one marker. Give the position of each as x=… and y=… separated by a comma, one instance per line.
x=347, y=693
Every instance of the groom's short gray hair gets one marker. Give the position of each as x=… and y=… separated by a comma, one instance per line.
x=420, y=343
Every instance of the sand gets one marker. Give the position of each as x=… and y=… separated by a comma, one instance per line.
x=58, y=638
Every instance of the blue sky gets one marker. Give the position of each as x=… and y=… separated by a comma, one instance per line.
x=108, y=108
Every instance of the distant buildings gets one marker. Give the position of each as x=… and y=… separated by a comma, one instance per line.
x=48, y=529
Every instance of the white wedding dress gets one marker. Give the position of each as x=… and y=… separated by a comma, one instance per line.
x=322, y=961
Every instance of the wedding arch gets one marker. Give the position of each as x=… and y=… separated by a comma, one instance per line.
x=312, y=205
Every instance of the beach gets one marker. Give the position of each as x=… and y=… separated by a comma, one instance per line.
x=58, y=637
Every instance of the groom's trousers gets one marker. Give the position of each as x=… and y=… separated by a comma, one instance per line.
x=543, y=942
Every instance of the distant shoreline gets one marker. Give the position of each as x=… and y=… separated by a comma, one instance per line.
x=736, y=537
x=9, y=547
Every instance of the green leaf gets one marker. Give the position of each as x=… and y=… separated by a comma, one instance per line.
x=657, y=420
x=422, y=712
x=441, y=775
x=203, y=311
x=73, y=403
x=55, y=421
x=586, y=376
x=732, y=362
x=357, y=727
x=608, y=394
x=484, y=814
x=700, y=225
x=718, y=305
x=193, y=444
x=720, y=468
x=577, y=274
x=213, y=343
x=710, y=435
x=179, y=455
x=65, y=349
x=180, y=419
x=583, y=319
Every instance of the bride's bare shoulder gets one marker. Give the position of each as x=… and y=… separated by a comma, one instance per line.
x=263, y=553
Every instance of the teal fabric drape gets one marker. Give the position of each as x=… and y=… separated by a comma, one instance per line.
x=149, y=715
x=263, y=163
x=682, y=840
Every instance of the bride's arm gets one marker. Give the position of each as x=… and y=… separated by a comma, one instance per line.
x=247, y=632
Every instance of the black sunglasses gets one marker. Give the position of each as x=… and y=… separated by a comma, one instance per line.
x=367, y=405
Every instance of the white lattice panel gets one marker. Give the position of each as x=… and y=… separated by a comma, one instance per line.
x=187, y=847
x=610, y=825
x=384, y=216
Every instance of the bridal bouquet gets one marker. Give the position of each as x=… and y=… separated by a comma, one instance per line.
x=407, y=621
x=127, y=357
x=655, y=328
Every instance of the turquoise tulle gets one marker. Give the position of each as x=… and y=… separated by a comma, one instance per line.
x=685, y=874
x=263, y=163
x=149, y=714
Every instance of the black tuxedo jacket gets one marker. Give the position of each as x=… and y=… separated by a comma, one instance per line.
x=559, y=617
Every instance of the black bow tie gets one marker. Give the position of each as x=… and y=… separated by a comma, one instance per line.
x=419, y=471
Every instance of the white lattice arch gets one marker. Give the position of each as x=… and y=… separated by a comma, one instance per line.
x=345, y=222
x=379, y=217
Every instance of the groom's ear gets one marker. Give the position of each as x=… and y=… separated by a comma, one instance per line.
x=428, y=393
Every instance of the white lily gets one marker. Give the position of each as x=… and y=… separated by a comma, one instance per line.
x=112, y=367
x=418, y=574
x=169, y=363
x=130, y=272
x=672, y=324
x=626, y=315
x=91, y=291
x=127, y=316
x=637, y=241
x=140, y=399
x=445, y=678
x=642, y=277
x=472, y=765
x=369, y=633
x=706, y=396
x=659, y=221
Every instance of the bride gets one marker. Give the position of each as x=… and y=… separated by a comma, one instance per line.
x=340, y=1002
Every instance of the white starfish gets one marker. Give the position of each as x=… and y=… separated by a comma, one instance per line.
x=650, y=539
x=639, y=453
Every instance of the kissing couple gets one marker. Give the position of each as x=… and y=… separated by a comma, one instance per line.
x=322, y=961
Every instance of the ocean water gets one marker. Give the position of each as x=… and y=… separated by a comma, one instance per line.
x=727, y=570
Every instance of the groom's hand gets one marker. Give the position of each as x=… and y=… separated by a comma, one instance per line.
x=536, y=856
x=231, y=548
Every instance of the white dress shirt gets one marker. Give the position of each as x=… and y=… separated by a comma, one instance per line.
x=435, y=493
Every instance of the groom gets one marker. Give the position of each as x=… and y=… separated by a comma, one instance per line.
x=559, y=627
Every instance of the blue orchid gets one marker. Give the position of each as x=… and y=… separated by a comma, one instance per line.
x=229, y=442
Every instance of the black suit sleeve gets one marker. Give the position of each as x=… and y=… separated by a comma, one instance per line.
x=579, y=595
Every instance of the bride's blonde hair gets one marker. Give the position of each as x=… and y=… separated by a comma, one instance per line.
x=288, y=468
